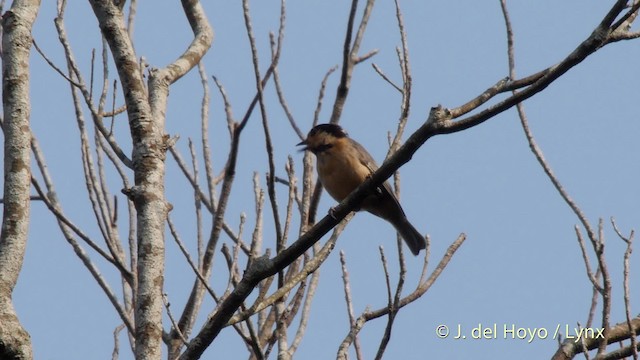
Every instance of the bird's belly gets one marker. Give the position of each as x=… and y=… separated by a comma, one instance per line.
x=338, y=179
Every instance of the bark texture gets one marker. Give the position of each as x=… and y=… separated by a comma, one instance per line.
x=15, y=342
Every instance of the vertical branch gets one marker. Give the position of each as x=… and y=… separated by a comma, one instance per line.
x=595, y=295
x=16, y=46
x=279, y=307
x=235, y=129
x=206, y=149
x=146, y=112
x=275, y=53
x=597, y=240
x=87, y=93
x=347, y=67
x=310, y=207
x=405, y=68
x=350, y=56
x=133, y=6
x=68, y=229
x=349, y=60
x=265, y=124
x=598, y=247
x=348, y=299
x=204, y=128
x=423, y=287
x=197, y=203
x=306, y=311
x=625, y=284
x=115, y=355
x=390, y=304
x=148, y=192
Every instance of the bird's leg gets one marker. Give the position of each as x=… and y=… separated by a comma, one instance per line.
x=332, y=212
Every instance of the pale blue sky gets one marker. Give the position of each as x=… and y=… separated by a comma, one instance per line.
x=521, y=263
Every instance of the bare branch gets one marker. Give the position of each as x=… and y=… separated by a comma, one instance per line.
x=75, y=72
x=67, y=227
x=391, y=304
x=405, y=69
x=192, y=264
x=133, y=6
x=263, y=267
x=350, y=56
x=309, y=268
x=422, y=288
x=204, y=129
x=595, y=296
x=348, y=299
x=115, y=355
x=381, y=73
x=146, y=120
x=365, y=57
x=585, y=256
x=175, y=327
x=627, y=298
x=619, y=332
x=53, y=66
x=598, y=38
x=306, y=311
x=16, y=32
x=265, y=124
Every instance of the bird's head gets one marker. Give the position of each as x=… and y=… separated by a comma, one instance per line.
x=322, y=137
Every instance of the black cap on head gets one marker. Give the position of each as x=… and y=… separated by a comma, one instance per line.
x=332, y=129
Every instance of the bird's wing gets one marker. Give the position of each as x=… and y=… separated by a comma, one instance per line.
x=364, y=157
x=367, y=160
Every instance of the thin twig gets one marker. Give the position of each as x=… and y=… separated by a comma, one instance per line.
x=271, y=190
x=197, y=202
x=390, y=304
x=176, y=237
x=53, y=66
x=349, y=56
x=75, y=72
x=348, y=299
x=133, y=5
x=306, y=312
x=439, y=122
x=422, y=288
x=67, y=227
x=167, y=305
x=626, y=271
x=115, y=355
x=595, y=296
x=309, y=268
x=382, y=74
x=405, y=67
x=597, y=242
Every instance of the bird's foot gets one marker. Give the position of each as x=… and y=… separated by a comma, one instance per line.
x=332, y=213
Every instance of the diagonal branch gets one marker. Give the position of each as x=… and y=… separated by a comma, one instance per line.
x=598, y=38
x=438, y=122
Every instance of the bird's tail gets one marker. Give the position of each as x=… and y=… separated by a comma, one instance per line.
x=415, y=241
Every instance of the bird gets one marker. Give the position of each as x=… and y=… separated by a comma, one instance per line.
x=343, y=164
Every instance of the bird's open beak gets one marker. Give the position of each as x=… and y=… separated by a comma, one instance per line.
x=302, y=143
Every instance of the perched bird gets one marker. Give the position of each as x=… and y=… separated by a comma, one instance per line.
x=343, y=164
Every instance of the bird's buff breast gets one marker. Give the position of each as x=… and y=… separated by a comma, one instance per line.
x=337, y=175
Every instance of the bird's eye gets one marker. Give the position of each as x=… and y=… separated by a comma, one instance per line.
x=323, y=147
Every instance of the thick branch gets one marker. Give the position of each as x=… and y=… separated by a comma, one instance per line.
x=619, y=332
x=598, y=38
x=16, y=44
x=149, y=146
